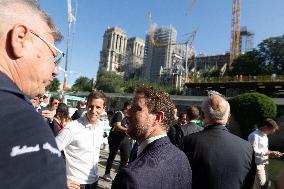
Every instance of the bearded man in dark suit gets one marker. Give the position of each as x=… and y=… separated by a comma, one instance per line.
x=159, y=164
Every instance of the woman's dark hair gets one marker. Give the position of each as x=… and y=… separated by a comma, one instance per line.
x=62, y=112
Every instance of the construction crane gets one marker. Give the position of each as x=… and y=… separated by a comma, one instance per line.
x=188, y=44
x=190, y=7
x=235, y=31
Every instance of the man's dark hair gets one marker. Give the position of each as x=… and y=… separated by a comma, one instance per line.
x=127, y=103
x=192, y=113
x=158, y=101
x=80, y=104
x=96, y=95
x=269, y=123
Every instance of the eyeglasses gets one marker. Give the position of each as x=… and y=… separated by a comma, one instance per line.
x=56, y=57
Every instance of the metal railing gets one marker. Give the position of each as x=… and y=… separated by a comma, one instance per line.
x=236, y=79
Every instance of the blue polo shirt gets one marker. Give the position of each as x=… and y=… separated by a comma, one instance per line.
x=29, y=157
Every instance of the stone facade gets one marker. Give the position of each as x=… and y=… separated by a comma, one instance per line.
x=113, y=52
x=134, y=58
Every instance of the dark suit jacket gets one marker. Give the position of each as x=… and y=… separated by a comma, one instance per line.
x=160, y=166
x=190, y=128
x=219, y=159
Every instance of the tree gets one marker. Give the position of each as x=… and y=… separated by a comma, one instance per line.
x=54, y=85
x=248, y=64
x=268, y=58
x=82, y=84
x=109, y=81
x=271, y=52
x=250, y=109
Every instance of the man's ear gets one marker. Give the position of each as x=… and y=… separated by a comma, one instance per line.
x=160, y=117
x=19, y=36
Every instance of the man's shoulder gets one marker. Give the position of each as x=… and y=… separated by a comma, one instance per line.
x=77, y=124
x=254, y=134
x=27, y=140
x=162, y=149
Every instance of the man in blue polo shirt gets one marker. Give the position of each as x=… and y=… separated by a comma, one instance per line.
x=29, y=157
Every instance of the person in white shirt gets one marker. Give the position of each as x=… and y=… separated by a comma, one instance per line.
x=259, y=141
x=81, y=140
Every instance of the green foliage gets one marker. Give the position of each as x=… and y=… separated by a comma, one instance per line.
x=82, y=84
x=271, y=52
x=248, y=64
x=131, y=85
x=54, y=85
x=250, y=109
x=109, y=82
x=210, y=73
x=268, y=58
x=214, y=73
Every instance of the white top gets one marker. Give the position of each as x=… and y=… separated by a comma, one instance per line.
x=259, y=141
x=146, y=142
x=81, y=144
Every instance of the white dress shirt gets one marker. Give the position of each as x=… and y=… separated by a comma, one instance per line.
x=81, y=144
x=146, y=142
x=259, y=141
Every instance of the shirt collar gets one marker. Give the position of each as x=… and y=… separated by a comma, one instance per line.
x=8, y=85
x=87, y=124
x=148, y=141
x=261, y=133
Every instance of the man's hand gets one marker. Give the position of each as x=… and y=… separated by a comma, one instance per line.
x=47, y=114
x=72, y=184
x=275, y=154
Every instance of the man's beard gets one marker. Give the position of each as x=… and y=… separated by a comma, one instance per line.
x=137, y=132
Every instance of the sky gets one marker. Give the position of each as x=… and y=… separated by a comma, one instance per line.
x=265, y=18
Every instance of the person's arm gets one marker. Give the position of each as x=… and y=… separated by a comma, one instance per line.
x=117, y=123
x=75, y=115
x=119, y=127
x=72, y=184
x=275, y=154
x=254, y=141
x=64, y=137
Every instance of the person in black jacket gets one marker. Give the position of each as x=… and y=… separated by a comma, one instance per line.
x=219, y=159
x=80, y=110
x=191, y=127
x=29, y=157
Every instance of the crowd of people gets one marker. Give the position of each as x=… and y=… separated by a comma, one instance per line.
x=42, y=147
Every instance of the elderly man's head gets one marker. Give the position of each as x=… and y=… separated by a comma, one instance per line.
x=216, y=109
x=27, y=53
x=151, y=113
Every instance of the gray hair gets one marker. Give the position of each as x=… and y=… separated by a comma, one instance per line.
x=7, y=13
x=219, y=115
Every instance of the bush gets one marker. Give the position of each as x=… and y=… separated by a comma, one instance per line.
x=251, y=109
